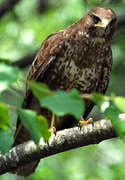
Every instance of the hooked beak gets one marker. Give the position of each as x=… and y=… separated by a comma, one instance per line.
x=103, y=24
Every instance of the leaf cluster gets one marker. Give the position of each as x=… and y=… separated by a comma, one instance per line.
x=58, y=102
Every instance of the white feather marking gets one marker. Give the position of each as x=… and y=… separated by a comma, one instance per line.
x=80, y=32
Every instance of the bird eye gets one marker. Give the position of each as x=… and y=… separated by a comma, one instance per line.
x=96, y=19
x=113, y=21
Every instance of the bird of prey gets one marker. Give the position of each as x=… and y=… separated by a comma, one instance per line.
x=78, y=57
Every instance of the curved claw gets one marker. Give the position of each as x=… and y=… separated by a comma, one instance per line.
x=83, y=122
x=52, y=130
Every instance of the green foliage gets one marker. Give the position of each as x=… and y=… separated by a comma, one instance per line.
x=29, y=119
x=119, y=102
x=6, y=140
x=6, y=61
x=40, y=90
x=8, y=75
x=43, y=124
x=112, y=114
x=36, y=125
x=62, y=103
x=4, y=119
x=21, y=32
x=101, y=100
x=110, y=111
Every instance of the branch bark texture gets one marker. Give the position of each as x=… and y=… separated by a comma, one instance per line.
x=64, y=140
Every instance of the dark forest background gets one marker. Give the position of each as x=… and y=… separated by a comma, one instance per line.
x=23, y=26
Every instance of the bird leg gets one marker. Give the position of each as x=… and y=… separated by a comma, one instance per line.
x=83, y=122
x=52, y=128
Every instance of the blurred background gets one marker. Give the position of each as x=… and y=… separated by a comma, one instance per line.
x=23, y=26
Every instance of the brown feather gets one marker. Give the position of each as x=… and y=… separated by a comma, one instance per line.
x=77, y=57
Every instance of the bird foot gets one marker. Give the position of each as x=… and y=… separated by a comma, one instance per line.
x=83, y=122
x=52, y=130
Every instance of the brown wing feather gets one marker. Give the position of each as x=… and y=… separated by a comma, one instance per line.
x=105, y=74
x=48, y=51
x=44, y=58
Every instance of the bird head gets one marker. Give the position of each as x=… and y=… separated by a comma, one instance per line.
x=101, y=21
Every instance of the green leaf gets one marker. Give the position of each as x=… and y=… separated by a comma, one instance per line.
x=30, y=121
x=6, y=140
x=62, y=103
x=6, y=61
x=40, y=90
x=44, y=127
x=4, y=120
x=112, y=114
x=8, y=75
x=101, y=101
x=119, y=102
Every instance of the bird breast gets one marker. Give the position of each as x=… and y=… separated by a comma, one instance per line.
x=79, y=66
x=84, y=79
x=65, y=75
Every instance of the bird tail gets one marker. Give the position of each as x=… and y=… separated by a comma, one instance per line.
x=26, y=170
x=21, y=136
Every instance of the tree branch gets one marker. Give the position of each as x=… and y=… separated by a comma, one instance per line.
x=121, y=21
x=7, y=5
x=64, y=140
x=43, y=6
x=24, y=61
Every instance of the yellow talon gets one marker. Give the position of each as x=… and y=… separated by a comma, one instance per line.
x=83, y=122
x=52, y=128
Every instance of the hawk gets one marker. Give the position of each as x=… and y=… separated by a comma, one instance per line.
x=78, y=57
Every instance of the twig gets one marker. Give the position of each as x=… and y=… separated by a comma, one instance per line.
x=24, y=61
